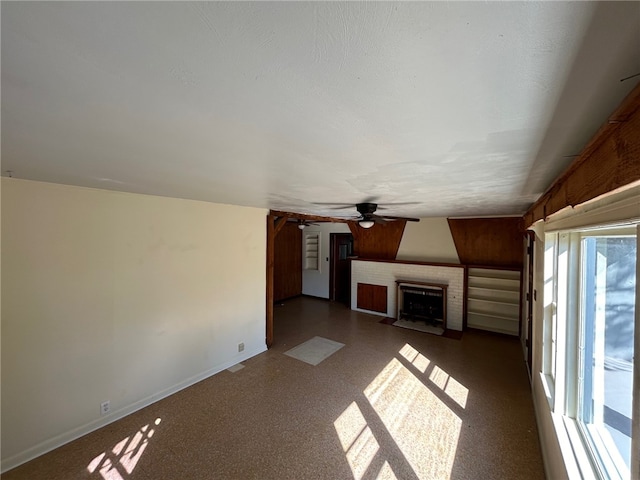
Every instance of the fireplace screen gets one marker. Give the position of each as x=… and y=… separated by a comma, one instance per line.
x=422, y=302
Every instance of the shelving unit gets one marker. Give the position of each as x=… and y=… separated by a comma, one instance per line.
x=493, y=300
x=312, y=251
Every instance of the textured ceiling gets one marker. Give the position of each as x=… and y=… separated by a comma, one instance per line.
x=450, y=108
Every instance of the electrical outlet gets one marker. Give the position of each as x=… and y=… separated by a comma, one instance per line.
x=241, y=347
x=105, y=407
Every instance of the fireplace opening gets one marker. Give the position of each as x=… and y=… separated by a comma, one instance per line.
x=422, y=302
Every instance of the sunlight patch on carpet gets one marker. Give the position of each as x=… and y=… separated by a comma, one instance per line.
x=357, y=440
x=120, y=461
x=315, y=350
x=424, y=428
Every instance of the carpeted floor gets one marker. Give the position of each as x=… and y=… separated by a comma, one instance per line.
x=422, y=327
x=392, y=403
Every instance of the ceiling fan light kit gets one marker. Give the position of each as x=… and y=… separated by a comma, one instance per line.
x=366, y=223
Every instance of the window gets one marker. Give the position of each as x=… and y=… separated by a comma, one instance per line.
x=588, y=340
x=608, y=268
x=550, y=307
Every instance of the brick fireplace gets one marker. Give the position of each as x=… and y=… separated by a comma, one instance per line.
x=386, y=273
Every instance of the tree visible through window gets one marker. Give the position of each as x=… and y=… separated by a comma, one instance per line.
x=608, y=274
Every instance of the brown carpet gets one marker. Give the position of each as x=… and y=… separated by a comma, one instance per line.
x=392, y=403
x=448, y=333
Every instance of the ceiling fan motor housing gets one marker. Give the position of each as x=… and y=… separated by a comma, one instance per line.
x=366, y=208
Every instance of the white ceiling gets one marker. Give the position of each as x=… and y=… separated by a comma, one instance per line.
x=455, y=108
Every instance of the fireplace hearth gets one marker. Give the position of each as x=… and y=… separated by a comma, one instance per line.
x=421, y=301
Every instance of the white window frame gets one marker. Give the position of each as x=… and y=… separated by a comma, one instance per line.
x=594, y=454
x=550, y=317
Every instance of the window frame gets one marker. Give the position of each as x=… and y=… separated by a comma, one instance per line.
x=591, y=449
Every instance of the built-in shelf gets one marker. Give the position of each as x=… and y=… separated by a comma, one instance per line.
x=493, y=300
x=312, y=251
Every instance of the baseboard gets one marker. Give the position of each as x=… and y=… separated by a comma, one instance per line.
x=493, y=332
x=71, y=435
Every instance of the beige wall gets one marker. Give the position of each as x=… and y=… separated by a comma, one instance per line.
x=120, y=297
x=428, y=240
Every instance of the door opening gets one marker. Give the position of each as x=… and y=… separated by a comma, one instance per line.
x=340, y=267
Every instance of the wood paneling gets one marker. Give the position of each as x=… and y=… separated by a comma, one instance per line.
x=378, y=242
x=488, y=241
x=609, y=161
x=287, y=274
x=372, y=297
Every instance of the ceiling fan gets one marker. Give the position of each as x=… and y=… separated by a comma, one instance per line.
x=368, y=217
x=302, y=224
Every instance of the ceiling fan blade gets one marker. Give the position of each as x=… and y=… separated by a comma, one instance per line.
x=334, y=206
x=408, y=219
x=386, y=206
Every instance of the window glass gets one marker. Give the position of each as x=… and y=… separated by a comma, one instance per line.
x=608, y=271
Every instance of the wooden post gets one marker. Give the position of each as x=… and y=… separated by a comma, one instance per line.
x=270, y=261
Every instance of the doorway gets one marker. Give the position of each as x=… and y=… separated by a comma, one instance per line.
x=341, y=248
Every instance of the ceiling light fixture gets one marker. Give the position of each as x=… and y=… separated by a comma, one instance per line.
x=366, y=223
x=301, y=226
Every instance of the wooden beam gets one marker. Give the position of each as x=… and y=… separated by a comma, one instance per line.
x=303, y=216
x=279, y=223
x=609, y=161
x=270, y=263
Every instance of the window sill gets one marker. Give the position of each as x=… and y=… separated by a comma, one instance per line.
x=580, y=453
x=577, y=455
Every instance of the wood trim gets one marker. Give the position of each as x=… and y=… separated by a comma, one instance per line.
x=304, y=216
x=521, y=305
x=410, y=262
x=609, y=161
x=280, y=222
x=426, y=284
x=270, y=262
